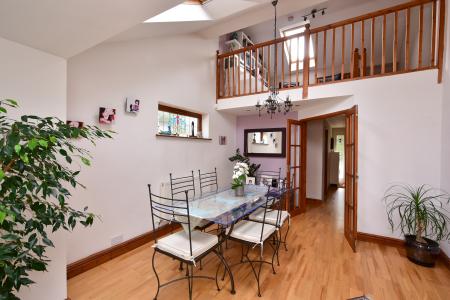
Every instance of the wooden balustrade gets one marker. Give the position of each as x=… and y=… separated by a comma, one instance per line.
x=404, y=38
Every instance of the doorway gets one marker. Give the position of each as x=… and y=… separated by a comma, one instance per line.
x=346, y=146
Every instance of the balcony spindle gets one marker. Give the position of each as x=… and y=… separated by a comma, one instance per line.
x=395, y=43
x=306, y=63
x=383, y=55
x=433, y=35
x=333, y=54
x=372, y=47
x=419, y=64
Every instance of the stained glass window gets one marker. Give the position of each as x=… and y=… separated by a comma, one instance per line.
x=174, y=121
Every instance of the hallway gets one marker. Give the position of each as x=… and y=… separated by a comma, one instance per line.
x=319, y=265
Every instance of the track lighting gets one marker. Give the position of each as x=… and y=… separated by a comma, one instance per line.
x=313, y=13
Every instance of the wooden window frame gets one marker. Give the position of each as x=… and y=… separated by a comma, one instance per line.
x=182, y=112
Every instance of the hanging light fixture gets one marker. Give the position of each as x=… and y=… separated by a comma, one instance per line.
x=273, y=103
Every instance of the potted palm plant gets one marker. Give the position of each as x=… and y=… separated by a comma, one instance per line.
x=420, y=213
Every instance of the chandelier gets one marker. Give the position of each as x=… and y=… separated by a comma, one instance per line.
x=274, y=103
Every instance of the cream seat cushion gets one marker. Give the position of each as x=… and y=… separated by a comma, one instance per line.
x=251, y=231
x=271, y=216
x=178, y=244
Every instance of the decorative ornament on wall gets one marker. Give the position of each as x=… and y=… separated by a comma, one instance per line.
x=106, y=115
x=75, y=124
x=222, y=140
x=132, y=105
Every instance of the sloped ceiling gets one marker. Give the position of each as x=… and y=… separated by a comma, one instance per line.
x=68, y=27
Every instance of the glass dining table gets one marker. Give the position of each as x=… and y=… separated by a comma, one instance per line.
x=224, y=208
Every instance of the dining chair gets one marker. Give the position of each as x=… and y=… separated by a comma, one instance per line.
x=181, y=184
x=279, y=192
x=253, y=234
x=178, y=185
x=208, y=181
x=273, y=176
x=187, y=246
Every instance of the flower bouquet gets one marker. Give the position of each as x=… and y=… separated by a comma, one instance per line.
x=240, y=172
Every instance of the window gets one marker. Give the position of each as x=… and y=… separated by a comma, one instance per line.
x=178, y=122
x=295, y=47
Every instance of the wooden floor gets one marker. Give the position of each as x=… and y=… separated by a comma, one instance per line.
x=318, y=265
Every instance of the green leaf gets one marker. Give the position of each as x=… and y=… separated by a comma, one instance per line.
x=2, y=174
x=32, y=144
x=43, y=143
x=86, y=161
x=17, y=148
x=2, y=216
x=52, y=139
x=48, y=242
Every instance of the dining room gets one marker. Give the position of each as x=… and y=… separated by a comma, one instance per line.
x=178, y=149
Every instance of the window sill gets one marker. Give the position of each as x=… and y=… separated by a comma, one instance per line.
x=183, y=137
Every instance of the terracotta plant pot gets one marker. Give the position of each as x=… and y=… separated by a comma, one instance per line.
x=424, y=254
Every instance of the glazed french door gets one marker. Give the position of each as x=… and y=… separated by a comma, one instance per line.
x=351, y=176
x=296, y=166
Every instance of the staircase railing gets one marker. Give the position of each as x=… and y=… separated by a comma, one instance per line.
x=404, y=38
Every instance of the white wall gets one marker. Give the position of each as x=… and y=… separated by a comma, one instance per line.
x=314, y=163
x=178, y=71
x=38, y=81
x=445, y=170
x=389, y=151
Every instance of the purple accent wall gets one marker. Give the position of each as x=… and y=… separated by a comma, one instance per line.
x=255, y=122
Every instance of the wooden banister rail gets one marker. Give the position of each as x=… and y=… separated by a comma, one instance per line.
x=411, y=39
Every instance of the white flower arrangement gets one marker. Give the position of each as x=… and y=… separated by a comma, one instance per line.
x=240, y=172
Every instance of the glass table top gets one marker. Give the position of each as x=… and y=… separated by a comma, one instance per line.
x=224, y=207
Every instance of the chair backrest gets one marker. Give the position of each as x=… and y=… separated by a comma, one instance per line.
x=272, y=176
x=208, y=181
x=171, y=210
x=271, y=204
x=181, y=184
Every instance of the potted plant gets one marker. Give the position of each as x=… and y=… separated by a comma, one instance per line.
x=39, y=163
x=240, y=172
x=252, y=168
x=420, y=214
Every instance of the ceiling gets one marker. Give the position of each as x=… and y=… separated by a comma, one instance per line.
x=68, y=27
x=217, y=10
x=336, y=122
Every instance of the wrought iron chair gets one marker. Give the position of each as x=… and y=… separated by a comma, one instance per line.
x=273, y=177
x=278, y=192
x=251, y=234
x=181, y=184
x=208, y=181
x=187, y=247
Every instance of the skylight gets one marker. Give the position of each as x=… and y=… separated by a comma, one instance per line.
x=185, y=12
x=295, y=48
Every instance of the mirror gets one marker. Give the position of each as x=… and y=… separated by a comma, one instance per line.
x=265, y=142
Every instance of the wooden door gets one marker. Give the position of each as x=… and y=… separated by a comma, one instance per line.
x=296, y=166
x=351, y=176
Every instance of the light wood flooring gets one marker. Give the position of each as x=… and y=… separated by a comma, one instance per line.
x=319, y=264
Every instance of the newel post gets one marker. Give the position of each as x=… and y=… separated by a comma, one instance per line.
x=306, y=60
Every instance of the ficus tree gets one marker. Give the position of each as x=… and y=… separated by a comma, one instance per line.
x=39, y=164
